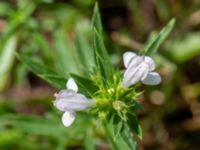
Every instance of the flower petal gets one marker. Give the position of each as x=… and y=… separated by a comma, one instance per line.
x=150, y=62
x=71, y=84
x=64, y=93
x=135, y=61
x=134, y=74
x=153, y=78
x=127, y=58
x=68, y=100
x=68, y=118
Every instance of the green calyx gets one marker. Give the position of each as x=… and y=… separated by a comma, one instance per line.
x=114, y=100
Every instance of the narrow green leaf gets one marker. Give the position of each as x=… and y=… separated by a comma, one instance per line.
x=43, y=126
x=153, y=45
x=5, y=9
x=43, y=71
x=185, y=47
x=129, y=138
x=90, y=140
x=16, y=19
x=96, y=19
x=124, y=139
x=84, y=52
x=64, y=53
x=33, y=125
x=102, y=58
x=134, y=124
x=86, y=86
x=7, y=58
x=42, y=43
x=19, y=17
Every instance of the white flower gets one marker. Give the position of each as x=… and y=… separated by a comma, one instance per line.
x=139, y=68
x=69, y=101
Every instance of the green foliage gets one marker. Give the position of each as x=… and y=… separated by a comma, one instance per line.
x=103, y=70
x=64, y=53
x=43, y=28
x=84, y=52
x=135, y=125
x=7, y=52
x=96, y=19
x=100, y=53
x=5, y=9
x=87, y=86
x=124, y=140
x=43, y=71
x=152, y=46
x=184, y=48
x=41, y=127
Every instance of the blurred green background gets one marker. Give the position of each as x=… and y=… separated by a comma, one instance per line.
x=53, y=31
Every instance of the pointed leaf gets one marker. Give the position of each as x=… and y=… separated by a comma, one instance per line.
x=134, y=124
x=101, y=56
x=86, y=86
x=124, y=140
x=43, y=71
x=6, y=58
x=102, y=59
x=153, y=45
x=96, y=19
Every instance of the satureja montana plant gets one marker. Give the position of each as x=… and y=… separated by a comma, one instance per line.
x=117, y=98
x=108, y=94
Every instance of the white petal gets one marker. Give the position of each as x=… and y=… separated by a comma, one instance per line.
x=71, y=84
x=150, y=62
x=127, y=58
x=135, y=74
x=68, y=100
x=135, y=61
x=68, y=118
x=64, y=93
x=153, y=78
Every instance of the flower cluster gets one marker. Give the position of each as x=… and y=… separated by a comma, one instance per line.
x=138, y=68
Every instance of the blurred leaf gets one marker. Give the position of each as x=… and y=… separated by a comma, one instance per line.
x=44, y=126
x=152, y=46
x=84, y=4
x=84, y=52
x=7, y=58
x=184, y=48
x=90, y=140
x=33, y=125
x=43, y=71
x=9, y=138
x=64, y=53
x=42, y=43
x=5, y=9
x=54, y=15
x=19, y=17
x=20, y=74
x=163, y=10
